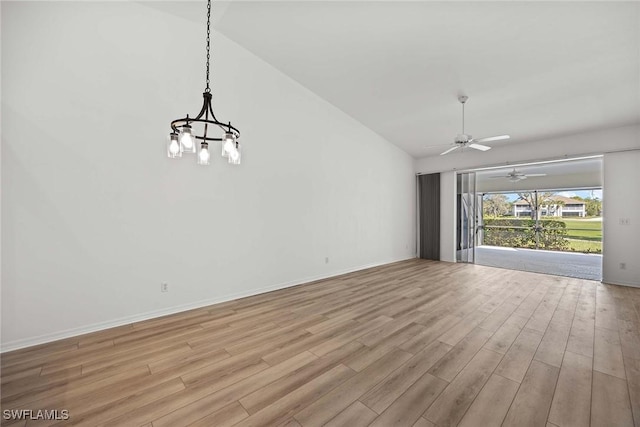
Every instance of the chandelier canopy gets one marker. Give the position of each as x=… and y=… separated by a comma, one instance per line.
x=193, y=134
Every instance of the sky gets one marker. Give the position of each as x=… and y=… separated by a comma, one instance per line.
x=582, y=193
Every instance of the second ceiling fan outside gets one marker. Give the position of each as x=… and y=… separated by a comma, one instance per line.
x=463, y=140
x=515, y=175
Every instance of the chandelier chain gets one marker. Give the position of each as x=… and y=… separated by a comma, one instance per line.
x=208, y=42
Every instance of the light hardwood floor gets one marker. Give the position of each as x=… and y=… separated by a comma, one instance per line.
x=415, y=343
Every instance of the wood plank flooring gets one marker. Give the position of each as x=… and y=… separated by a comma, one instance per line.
x=414, y=343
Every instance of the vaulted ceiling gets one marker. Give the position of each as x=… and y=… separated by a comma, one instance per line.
x=531, y=69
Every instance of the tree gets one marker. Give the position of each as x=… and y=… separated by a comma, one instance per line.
x=535, y=203
x=593, y=206
x=496, y=205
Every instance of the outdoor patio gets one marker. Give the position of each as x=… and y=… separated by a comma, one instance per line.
x=579, y=265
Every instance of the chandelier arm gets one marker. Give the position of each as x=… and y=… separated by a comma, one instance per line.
x=206, y=124
x=176, y=124
x=207, y=139
x=234, y=130
x=231, y=129
x=223, y=126
x=205, y=104
x=213, y=115
x=188, y=120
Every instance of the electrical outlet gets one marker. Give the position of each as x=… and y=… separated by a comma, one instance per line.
x=623, y=266
x=164, y=287
x=326, y=260
x=625, y=221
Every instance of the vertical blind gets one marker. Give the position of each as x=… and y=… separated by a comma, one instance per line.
x=429, y=222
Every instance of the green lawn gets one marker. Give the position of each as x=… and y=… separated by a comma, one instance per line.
x=584, y=230
x=585, y=246
x=578, y=228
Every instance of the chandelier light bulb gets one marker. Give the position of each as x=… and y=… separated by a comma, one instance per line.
x=228, y=144
x=234, y=155
x=173, y=149
x=204, y=156
x=186, y=140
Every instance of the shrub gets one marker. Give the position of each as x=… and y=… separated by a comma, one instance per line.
x=521, y=233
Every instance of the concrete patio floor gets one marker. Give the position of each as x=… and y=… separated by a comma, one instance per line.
x=571, y=264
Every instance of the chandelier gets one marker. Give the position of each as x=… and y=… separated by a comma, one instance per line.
x=192, y=134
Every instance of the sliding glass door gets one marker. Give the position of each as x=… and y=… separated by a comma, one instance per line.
x=468, y=209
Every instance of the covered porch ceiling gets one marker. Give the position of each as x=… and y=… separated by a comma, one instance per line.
x=559, y=175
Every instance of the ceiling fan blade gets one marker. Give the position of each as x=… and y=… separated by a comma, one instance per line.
x=499, y=176
x=536, y=174
x=455, y=147
x=492, y=138
x=479, y=147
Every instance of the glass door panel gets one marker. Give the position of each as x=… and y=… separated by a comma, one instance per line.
x=468, y=209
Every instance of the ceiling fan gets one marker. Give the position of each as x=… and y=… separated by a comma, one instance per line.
x=464, y=140
x=515, y=176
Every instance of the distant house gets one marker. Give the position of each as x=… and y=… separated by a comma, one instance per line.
x=558, y=206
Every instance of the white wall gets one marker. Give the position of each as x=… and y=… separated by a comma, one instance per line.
x=621, y=219
x=95, y=217
x=617, y=183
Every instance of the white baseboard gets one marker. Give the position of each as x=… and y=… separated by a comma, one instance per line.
x=613, y=282
x=95, y=327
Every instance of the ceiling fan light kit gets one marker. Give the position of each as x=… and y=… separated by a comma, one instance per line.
x=515, y=176
x=463, y=140
x=184, y=139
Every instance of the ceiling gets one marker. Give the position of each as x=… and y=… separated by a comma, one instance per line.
x=559, y=175
x=580, y=165
x=531, y=69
